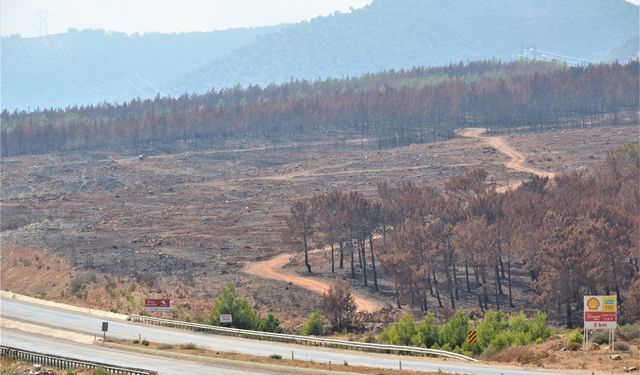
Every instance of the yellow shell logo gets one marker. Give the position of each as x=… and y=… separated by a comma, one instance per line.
x=593, y=303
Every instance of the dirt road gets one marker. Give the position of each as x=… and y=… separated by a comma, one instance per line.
x=517, y=161
x=273, y=269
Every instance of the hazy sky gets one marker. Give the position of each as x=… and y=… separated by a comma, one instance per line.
x=131, y=16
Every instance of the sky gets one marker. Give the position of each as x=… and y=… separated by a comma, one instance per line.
x=140, y=16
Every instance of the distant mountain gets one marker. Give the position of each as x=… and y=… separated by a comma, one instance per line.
x=404, y=33
x=92, y=66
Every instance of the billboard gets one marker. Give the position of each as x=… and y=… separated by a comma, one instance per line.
x=157, y=304
x=600, y=312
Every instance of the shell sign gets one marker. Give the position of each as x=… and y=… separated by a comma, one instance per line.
x=600, y=312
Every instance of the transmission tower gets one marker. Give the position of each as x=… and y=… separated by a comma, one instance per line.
x=43, y=30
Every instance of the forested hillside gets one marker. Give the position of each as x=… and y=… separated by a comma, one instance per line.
x=397, y=108
x=573, y=237
x=89, y=67
x=392, y=34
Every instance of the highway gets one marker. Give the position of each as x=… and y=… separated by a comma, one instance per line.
x=54, y=346
x=89, y=324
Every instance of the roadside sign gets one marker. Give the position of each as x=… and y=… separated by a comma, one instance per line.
x=226, y=318
x=157, y=304
x=105, y=328
x=472, y=337
x=600, y=312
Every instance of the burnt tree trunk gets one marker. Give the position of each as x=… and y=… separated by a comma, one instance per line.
x=373, y=263
x=435, y=284
x=363, y=258
x=333, y=261
x=509, y=281
x=466, y=275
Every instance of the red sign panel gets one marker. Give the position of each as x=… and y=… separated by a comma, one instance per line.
x=599, y=316
x=157, y=304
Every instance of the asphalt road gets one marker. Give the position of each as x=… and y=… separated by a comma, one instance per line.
x=54, y=346
x=79, y=322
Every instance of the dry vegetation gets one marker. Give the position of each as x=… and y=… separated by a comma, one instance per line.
x=110, y=229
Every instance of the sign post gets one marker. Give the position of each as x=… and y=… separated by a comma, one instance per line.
x=157, y=305
x=105, y=328
x=600, y=312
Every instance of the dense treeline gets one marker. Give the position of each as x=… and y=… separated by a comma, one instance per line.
x=397, y=107
x=574, y=236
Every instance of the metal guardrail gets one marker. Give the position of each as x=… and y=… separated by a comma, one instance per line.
x=297, y=339
x=67, y=363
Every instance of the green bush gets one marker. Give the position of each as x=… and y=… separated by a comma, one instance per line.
x=574, y=339
x=314, y=324
x=488, y=328
x=600, y=337
x=228, y=302
x=275, y=356
x=270, y=324
x=427, y=332
x=100, y=371
x=628, y=331
x=539, y=327
x=454, y=332
x=145, y=342
x=497, y=331
x=400, y=333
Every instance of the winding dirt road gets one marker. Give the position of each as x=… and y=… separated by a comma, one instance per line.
x=517, y=161
x=274, y=268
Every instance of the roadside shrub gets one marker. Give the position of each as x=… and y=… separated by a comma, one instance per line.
x=100, y=371
x=497, y=331
x=275, y=356
x=600, y=337
x=370, y=339
x=574, y=339
x=270, y=324
x=454, y=332
x=539, y=327
x=145, y=342
x=427, y=332
x=314, y=324
x=488, y=328
x=628, y=332
x=400, y=333
x=228, y=302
